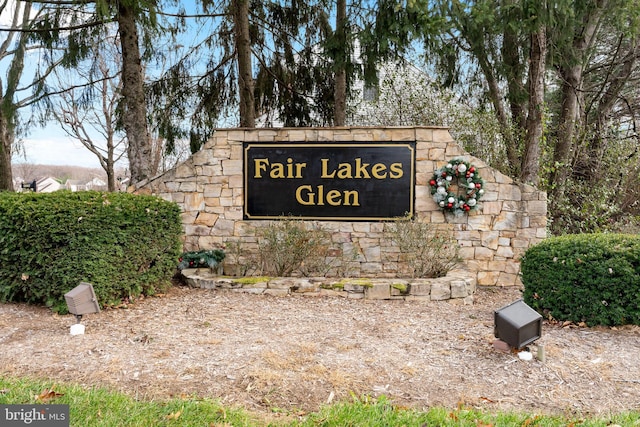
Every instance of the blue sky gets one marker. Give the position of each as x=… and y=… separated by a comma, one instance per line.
x=50, y=146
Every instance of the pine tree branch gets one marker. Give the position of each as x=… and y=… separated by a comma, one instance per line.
x=46, y=30
x=195, y=15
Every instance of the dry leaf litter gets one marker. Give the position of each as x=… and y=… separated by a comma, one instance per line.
x=300, y=352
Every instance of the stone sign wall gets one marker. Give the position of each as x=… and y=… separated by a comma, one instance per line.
x=510, y=217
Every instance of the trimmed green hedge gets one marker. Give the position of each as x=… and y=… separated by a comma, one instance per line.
x=591, y=278
x=124, y=244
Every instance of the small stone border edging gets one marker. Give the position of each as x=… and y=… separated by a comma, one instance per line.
x=457, y=287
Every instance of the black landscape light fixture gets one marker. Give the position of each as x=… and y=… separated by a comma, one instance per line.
x=82, y=300
x=517, y=324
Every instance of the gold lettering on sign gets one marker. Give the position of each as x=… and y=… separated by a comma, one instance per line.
x=305, y=195
x=278, y=170
x=396, y=171
x=325, y=173
x=360, y=170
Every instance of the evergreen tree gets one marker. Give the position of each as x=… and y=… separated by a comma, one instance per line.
x=13, y=48
x=75, y=28
x=280, y=62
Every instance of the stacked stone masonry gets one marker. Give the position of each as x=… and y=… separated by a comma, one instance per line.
x=454, y=288
x=510, y=218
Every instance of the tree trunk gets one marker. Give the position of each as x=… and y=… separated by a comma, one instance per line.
x=514, y=71
x=111, y=180
x=245, y=73
x=537, y=64
x=109, y=166
x=6, y=141
x=340, y=88
x=134, y=115
x=610, y=93
x=8, y=107
x=571, y=76
x=495, y=94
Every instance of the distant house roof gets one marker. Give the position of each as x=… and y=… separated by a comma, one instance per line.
x=75, y=185
x=97, y=181
x=47, y=185
x=96, y=184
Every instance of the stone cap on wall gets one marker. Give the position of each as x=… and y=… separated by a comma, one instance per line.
x=457, y=287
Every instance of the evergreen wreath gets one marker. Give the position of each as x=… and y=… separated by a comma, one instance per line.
x=469, y=183
x=201, y=259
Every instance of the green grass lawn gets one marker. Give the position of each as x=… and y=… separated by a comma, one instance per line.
x=91, y=407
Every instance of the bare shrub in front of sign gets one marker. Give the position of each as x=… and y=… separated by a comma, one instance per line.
x=425, y=249
x=331, y=261
x=286, y=245
x=241, y=262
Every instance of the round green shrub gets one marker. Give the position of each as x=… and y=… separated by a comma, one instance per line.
x=591, y=278
x=124, y=244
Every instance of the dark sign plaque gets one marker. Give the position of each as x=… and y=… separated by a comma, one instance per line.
x=332, y=181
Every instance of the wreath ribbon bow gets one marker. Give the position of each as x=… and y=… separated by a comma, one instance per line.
x=468, y=182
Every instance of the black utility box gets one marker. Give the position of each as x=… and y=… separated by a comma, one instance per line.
x=517, y=324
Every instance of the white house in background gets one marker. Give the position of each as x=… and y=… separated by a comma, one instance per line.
x=19, y=184
x=78, y=185
x=75, y=185
x=41, y=185
x=47, y=185
x=96, y=184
